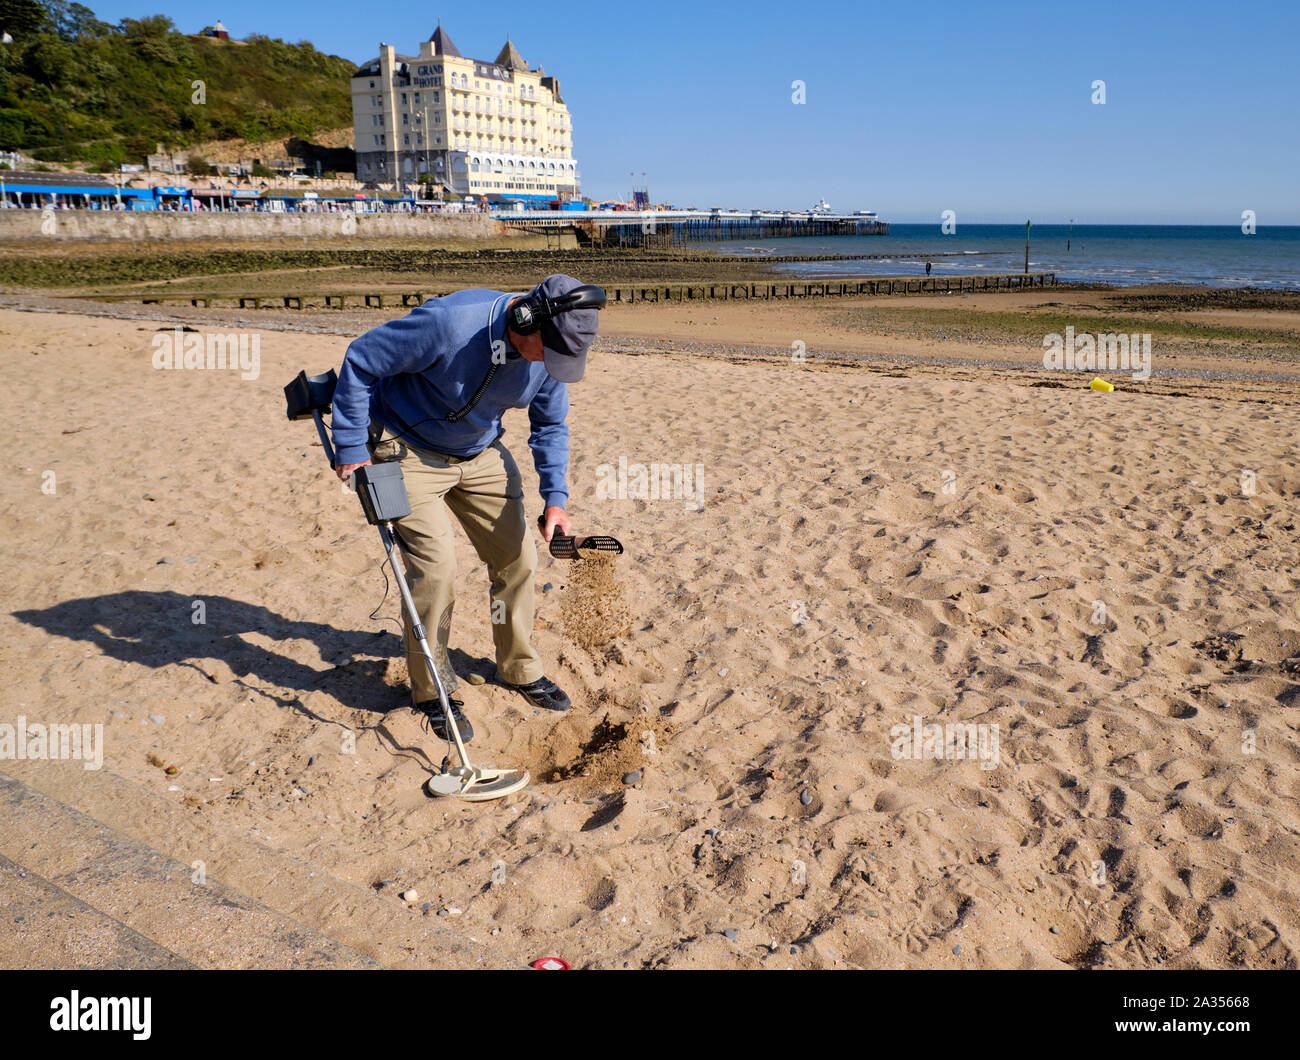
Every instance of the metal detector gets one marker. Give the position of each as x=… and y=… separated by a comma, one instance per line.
x=383, y=498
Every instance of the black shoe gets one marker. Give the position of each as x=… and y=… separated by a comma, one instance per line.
x=435, y=719
x=543, y=693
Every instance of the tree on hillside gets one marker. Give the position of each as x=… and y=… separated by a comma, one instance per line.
x=73, y=21
x=21, y=18
x=75, y=88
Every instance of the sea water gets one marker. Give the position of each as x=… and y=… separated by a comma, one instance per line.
x=1217, y=256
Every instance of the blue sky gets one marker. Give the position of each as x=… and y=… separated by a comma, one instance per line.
x=911, y=108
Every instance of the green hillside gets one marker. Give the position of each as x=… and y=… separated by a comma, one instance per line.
x=73, y=88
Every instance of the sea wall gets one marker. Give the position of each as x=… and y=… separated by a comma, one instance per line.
x=152, y=226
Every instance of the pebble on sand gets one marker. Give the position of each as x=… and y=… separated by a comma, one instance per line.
x=731, y=933
x=633, y=777
x=157, y=719
x=411, y=896
x=474, y=679
x=805, y=797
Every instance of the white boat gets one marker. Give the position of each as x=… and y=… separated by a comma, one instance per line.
x=820, y=206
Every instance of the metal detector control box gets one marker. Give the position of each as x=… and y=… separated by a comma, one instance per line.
x=382, y=492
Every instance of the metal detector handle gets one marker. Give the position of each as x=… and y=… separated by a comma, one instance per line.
x=312, y=395
x=324, y=435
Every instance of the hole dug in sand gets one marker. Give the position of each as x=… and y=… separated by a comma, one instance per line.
x=596, y=758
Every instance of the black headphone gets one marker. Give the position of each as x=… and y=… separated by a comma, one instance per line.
x=527, y=317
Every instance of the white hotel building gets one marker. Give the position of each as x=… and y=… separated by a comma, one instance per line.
x=479, y=128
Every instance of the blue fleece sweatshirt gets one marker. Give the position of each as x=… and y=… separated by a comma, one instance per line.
x=412, y=373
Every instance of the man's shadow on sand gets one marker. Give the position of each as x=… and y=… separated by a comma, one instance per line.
x=157, y=629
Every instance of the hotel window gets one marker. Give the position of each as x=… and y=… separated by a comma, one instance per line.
x=372, y=84
x=406, y=139
x=417, y=99
x=406, y=119
x=419, y=138
x=403, y=99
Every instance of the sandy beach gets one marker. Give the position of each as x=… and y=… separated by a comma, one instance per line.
x=895, y=532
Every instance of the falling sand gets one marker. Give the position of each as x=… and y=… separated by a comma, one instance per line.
x=595, y=608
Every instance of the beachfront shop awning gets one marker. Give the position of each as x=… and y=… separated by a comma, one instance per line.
x=19, y=182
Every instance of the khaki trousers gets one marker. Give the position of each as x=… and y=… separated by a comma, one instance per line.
x=485, y=494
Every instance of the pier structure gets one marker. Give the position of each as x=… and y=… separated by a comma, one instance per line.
x=660, y=228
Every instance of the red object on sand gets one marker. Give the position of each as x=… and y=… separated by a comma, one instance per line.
x=551, y=964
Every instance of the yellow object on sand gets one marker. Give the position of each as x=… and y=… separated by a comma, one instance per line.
x=1101, y=384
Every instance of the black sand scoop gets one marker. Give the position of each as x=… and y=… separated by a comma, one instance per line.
x=563, y=547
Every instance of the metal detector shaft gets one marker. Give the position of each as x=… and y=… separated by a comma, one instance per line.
x=324, y=435
x=389, y=537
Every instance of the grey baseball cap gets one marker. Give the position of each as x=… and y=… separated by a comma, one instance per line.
x=567, y=337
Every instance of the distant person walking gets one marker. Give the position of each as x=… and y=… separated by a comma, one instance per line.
x=928, y=266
